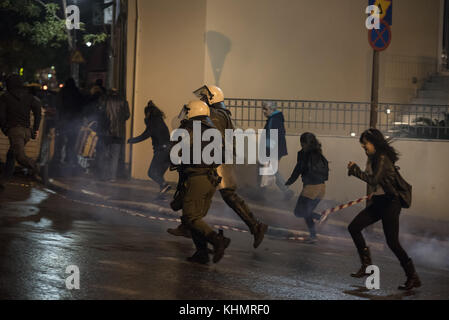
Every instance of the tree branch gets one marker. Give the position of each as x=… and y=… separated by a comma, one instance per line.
x=45, y=6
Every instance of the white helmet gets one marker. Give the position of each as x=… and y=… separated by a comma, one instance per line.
x=197, y=108
x=213, y=94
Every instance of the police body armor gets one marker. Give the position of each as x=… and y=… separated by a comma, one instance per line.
x=186, y=171
x=221, y=117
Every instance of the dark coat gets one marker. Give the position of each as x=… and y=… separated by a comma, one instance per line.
x=15, y=108
x=71, y=105
x=115, y=111
x=384, y=174
x=276, y=122
x=302, y=169
x=157, y=130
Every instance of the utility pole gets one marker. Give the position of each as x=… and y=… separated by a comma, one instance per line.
x=112, y=48
x=374, y=90
x=74, y=67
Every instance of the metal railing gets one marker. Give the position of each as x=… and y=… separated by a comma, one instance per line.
x=346, y=118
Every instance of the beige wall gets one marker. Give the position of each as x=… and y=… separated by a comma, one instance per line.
x=170, y=63
x=423, y=164
x=316, y=50
x=273, y=49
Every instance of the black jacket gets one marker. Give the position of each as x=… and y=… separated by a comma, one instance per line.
x=157, y=130
x=302, y=168
x=276, y=122
x=71, y=103
x=15, y=108
x=115, y=113
x=386, y=175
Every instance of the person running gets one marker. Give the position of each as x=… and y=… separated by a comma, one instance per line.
x=157, y=130
x=197, y=185
x=314, y=169
x=221, y=117
x=16, y=106
x=388, y=197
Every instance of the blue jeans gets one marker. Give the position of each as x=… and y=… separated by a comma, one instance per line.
x=304, y=209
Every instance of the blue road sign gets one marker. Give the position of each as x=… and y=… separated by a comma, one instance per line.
x=380, y=39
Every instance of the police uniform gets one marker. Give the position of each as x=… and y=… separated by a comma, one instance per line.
x=197, y=185
x=221, y=117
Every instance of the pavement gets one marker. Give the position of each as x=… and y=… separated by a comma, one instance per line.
x=127, y=254
x=142, y=198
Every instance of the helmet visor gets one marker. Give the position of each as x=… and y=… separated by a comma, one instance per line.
x=203, y=92
x=184, y=113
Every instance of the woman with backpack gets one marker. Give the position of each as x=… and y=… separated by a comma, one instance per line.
x=389, y=194
x=314, y=169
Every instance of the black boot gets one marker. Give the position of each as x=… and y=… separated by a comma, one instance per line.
x=365, y=259
x=180, y=231
x=413, y=280
x=220, y=243
x=259, y=233
x=200, y=256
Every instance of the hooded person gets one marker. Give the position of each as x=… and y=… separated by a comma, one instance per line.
x=114, y=112
x=70, y=111
x=16, y=106
x=157, y=130
x=221, y=117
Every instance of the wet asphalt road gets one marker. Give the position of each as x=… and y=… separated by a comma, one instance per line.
x=126, y=257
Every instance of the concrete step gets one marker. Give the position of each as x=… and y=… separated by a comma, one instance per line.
x=430, y=101
x=435, y=86
x=433, y=94
x=439, y=79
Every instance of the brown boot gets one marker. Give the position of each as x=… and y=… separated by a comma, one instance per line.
x=220, y=243
x=413, y=280
x=259, y=233
x=180, y=231
x=365, y=259
x=200, y=256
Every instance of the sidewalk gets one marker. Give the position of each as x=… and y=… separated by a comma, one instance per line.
x=142, y=196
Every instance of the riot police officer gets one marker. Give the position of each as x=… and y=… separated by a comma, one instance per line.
x=196, y=187
x=221, y=117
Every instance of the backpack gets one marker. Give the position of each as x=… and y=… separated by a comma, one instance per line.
x=319, y=170
x=404, y=190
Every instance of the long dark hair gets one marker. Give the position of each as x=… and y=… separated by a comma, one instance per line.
x=310, y=143
x=152, y=110
x=381, y=145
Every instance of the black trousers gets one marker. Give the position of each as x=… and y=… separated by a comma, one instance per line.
x=108, y=156
x=159, y=165
x=386, y=208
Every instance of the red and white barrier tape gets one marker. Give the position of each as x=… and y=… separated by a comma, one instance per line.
x=325, y=214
